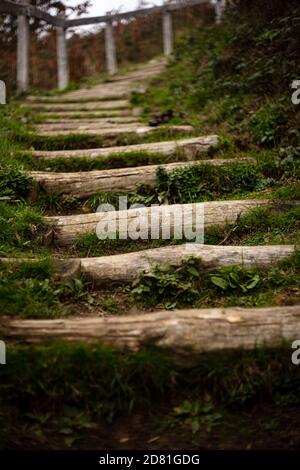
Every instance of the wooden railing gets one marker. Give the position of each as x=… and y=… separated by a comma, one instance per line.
x=23, y=10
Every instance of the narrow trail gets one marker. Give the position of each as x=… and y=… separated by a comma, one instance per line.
x=186, y=332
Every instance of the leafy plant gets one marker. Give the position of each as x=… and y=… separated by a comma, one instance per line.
x=170, y=286
x=266, y=124
x=14, y=183
x=236, y=278
x=198, y=415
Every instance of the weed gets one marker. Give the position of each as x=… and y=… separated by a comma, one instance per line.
x=197, y=415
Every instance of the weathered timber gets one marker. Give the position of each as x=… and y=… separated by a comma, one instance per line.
x=188, y=148
x=96, y=125
x=186, y=333
x=110, y=49
x=84, y=184
x=87, y=106
x=75, y=123
x=83, y=114
x=165, y=220
x=119, y=86
x=125, y=268
x=23, y=52
x=114, y=130
x=62, y=58
x=22, y=9
x=134, y=13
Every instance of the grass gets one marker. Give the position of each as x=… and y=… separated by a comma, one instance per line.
x=277, y=225
x=48, y=384
x=29, y=289
x=231, y=286
x=80, y=141
x=120, y=160
x=261, y=226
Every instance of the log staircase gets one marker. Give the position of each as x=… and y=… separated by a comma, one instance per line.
x=189, y=332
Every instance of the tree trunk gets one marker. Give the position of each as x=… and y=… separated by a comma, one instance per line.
x=166, y=220
x=115, y=130
x=184, y=332
x=85, y=106
x=185, y=147
x=84, y=184
x=125, y=268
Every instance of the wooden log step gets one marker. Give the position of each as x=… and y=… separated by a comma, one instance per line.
x=80, y=126
x=67, y=229
x=80, y=96
x=84, y=184
x=186, y=147
x=82, y=114
x=185, y=333
x=125, y=268
x=90, y=106
x=71, y=123
x=115, y=130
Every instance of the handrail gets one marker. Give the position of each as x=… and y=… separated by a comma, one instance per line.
x=16, y=9
x=9, y=7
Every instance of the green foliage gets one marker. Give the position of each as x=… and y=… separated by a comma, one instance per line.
x=266, y=124
x=244, y=67
x=29, y=290
x=21, y=228
x=236, y=278
x=187, y=285
x=198, y=415
x=14, y=183
x=42, y=384
x=170, y=287
x=206, y=182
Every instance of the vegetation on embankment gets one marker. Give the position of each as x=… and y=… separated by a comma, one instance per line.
x=234, y=78
x=237, y=77
x=98, y=384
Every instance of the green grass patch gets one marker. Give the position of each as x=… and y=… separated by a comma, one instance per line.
x=187, y=286
x=71, y=387
x=261, y=226
x=29, y=289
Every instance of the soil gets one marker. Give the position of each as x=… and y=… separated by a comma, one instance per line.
x=266, y=427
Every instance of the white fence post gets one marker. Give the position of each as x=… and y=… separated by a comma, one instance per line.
x=2, y=353
x=62, y=58
x=110, y=49
x=23, y=53
x=2, y=92
x=167, y=32
x=220, y=6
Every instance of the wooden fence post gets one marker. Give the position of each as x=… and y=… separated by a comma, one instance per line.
x=23, y=53
x=62, y=58
x=110, y=49
x=219, y=10
x=167, y=33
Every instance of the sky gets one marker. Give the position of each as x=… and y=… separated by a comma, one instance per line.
x=100, y=7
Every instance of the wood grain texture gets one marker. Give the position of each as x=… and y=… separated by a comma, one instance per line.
x=184, y=332
x=185, y=147
x=114, y=130
x=84, y=184
x=68, y=228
